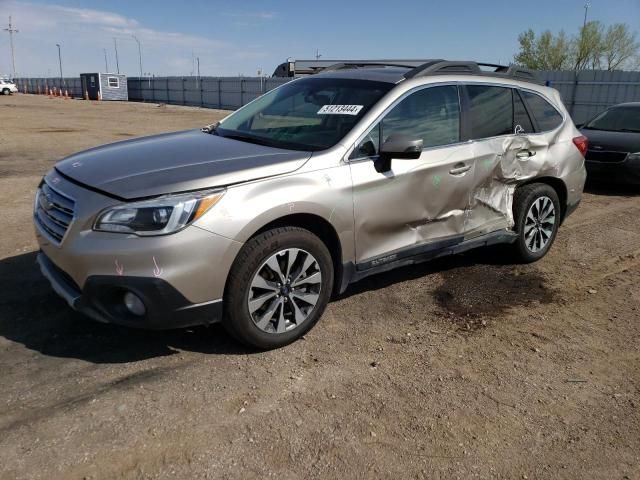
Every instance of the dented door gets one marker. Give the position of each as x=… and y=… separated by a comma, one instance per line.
x=507, y=151
x=417, y=202
x=420, y=201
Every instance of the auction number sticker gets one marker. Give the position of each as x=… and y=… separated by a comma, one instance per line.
x=340, y=110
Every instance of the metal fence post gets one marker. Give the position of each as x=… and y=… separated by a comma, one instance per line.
x=219, y=94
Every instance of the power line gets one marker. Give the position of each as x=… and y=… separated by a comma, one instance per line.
x=11, y=31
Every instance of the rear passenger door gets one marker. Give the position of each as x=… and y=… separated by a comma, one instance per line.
x=500, y=127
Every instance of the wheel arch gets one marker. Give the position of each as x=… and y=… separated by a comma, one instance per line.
x=320, y=227
x=560, y=188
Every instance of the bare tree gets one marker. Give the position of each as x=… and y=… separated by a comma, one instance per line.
x=587, y=47
x=619, y=47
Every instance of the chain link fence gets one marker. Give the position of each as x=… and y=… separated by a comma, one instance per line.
x=585, y=93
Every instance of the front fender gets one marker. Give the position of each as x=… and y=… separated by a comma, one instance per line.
x=246, y=208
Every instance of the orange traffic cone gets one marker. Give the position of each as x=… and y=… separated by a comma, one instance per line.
x=86, y=94
x=39, y=89
x=99, y=96
x=66, y=94
x=50, y=94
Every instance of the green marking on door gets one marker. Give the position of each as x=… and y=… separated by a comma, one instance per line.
x=437, y=180
x=487, y=162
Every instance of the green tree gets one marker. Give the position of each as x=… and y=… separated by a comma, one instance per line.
x=594, y=47
x=547, y=52
x=587, y=46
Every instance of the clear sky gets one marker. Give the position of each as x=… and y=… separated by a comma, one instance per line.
x=241, y=37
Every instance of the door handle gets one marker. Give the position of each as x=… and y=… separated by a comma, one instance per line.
x=525, y=154
x=459, y=169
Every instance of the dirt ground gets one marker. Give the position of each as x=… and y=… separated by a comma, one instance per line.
x=466, y=367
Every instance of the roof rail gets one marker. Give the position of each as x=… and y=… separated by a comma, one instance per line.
x=444, y=67
x=347, y=64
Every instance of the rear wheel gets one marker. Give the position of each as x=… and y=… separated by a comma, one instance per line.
x=536, y=210
x=278, y=287
x=6, y=91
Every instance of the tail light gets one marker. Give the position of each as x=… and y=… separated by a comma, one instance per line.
x=581, y=143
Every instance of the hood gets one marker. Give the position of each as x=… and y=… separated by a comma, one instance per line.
x=612, y=141
x=176, y=162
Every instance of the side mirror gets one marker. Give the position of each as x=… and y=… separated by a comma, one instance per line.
x=398, y=146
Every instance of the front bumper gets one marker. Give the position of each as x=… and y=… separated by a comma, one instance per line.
x=177, y=276
x=102, y=299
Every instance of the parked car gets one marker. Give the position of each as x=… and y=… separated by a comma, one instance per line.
x=257, y=221
x=7, y=87
x=614, y=144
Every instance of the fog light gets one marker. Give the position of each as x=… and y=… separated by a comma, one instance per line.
x=134, y=304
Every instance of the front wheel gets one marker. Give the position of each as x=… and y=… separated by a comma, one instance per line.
x=536, y=211
x=6, y=91
x=278, y=287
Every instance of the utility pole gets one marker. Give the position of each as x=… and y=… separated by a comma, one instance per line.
x=139, y=54
x=586, y=10
x=11, y=31
x=318, y=54
x=198, y=77
x=106, y=64
x=59, y=62
x=115, y=46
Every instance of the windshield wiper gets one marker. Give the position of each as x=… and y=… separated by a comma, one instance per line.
x=248, y=139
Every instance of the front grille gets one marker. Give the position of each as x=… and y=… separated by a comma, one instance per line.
x=605, y=156
x=53, y=212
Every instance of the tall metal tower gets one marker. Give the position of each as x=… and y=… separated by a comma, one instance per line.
x=11, y=31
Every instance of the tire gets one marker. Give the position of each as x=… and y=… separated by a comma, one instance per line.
x=264, y=328
x=535, y=224
x=6, y=91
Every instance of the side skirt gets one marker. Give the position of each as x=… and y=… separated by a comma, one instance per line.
x=352, y=273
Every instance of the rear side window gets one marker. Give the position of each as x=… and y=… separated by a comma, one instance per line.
x=490, y=111
x=521, y=121
x=545, y=115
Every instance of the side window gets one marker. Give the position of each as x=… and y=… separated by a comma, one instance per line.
x=490, y=111
x=521, y=121
x=113, y=82
x=369, y=145
x=432, y=114
x=545, y=115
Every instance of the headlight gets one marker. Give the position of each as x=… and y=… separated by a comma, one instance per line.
x=158, y=216
x=634, y=156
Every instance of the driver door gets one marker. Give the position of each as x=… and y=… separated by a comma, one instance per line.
x=418, y=204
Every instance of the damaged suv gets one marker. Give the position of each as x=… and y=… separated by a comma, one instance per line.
x=256, y=221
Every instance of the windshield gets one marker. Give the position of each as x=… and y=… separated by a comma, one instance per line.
x=309, y=114
x=617, y=119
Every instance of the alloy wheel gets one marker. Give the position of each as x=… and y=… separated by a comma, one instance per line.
x=539, y=224
x=284, y=290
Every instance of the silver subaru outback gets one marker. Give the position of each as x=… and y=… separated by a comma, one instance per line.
x=258, y=220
